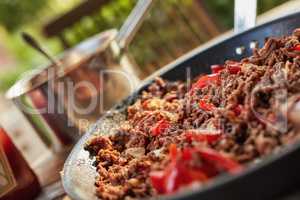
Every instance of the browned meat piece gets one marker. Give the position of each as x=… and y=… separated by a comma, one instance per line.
x=98, y=143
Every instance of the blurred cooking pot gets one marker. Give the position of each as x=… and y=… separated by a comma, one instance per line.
x=60, y=102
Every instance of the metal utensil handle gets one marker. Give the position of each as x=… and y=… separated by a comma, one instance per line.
x=133, y=23
x=31, y=41
x=244, y=15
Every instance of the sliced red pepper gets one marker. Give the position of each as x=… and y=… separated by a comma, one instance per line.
x=202, y=82
x=296, y=48
x=206, y=106
x=205, y=97
x=164, y=181
x=238, y=110
x=145, y=104
x=234, y=69
x=187, y=175
x=202, y=137
x=205, y=80
x=158, y=181
x=180, y=173
x=160, y=127
x=209, y=169
x=176, y=174
x=173, y=152
x=174, y=177
x=187, y=154
x=221, y=161
x=171, y=178
x=216, y=68
x=215, y=78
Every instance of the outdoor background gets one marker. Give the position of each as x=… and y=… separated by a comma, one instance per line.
x=33, y=16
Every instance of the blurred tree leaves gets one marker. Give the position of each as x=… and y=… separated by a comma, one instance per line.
x=222, y=10
x=30, y=15
x=264, y=5
x=15, y=13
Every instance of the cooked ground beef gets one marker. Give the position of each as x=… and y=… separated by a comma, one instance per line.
x=176, y=136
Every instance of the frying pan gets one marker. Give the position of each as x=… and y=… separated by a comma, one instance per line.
x=264, y=180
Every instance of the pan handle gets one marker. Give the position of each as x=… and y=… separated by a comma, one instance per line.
x=133, y=23
x=244, y=15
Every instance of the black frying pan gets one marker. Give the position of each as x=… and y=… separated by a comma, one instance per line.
x=265, y=180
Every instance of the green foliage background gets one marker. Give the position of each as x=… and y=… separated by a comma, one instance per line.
x=222, y=10
x=26, y=15
x=30, y=15
x=14, y=13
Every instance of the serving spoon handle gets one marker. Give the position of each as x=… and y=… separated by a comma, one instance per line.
x=31, y=41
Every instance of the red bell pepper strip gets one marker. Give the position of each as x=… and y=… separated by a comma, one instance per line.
x=158, y=181
x=206, y=106
x=202, y=137
x=296, y=48
x=234, y=69
x=209, y=169
x=187, y=154
x=180, y=173
x=177, y=174
x=205, y=97
x=160, y=127
x=145, y=104
x=187, y=175
x=216, y=68
x=238, y=110
x=221, y=161
x=173, y=152
x=205, y=80
x=164, y=181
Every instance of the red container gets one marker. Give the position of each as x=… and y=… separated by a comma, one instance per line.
x=17, y=180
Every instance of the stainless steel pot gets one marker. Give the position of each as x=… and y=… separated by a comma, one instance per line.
x=61, y=101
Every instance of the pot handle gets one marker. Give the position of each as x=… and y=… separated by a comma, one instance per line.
x=133, y=23
x=244, y=15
